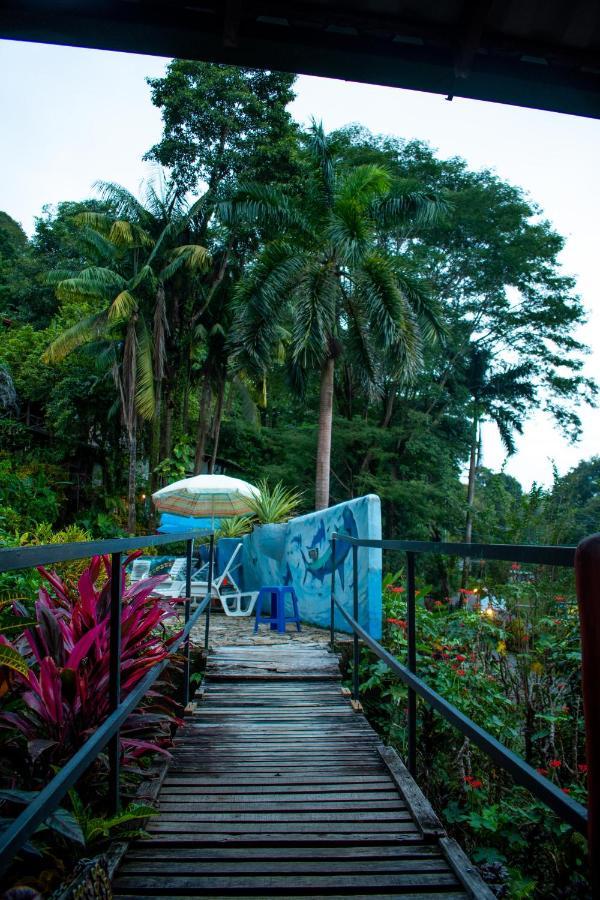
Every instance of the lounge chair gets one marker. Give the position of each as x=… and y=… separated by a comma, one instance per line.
x=225, y=588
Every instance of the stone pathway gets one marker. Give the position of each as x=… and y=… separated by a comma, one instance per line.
x=227, y=631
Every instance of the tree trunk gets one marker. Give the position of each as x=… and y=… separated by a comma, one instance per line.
x=131, y=489
x=156, y=430
x=470, y=495
x=324, y=438
x=203, y=416
x=218, y=416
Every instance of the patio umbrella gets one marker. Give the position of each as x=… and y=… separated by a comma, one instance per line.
x=206, y=496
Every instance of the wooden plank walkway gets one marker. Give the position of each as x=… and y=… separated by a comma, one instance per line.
x=278, y=788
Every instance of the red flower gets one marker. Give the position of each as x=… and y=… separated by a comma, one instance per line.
x=475, y=783
x=560, y=598
x=582, y=767
x=542, y=771
x=460, y=672
x=438, y=603
x=555, y=764
x=395, y=589
x=515, y=567
x=400, y=623
x=460, y=657
x=565, y=790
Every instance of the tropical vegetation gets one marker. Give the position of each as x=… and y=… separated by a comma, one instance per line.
x=328, y=315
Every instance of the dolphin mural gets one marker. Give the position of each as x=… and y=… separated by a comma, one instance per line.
x=322, y=566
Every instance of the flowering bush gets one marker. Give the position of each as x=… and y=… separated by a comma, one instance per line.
x=517, y=674
x=59, y=692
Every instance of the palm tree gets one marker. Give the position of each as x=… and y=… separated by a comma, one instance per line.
x=126, y=291
x=331, y=281
x=501, y=397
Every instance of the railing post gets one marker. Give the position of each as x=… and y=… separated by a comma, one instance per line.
x=114, y=684
x=355, y=687
x=332, y=612
x=587, y=580
x=211, y=552
x=186, y=646
x=412, y=662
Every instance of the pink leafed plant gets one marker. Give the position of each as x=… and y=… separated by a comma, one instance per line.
x=64, y=697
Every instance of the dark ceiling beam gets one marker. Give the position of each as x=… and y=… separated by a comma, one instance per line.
x=197, y=31
x=473, y=19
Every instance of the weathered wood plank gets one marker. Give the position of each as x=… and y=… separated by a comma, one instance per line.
x=273, y=882
x=277, y=788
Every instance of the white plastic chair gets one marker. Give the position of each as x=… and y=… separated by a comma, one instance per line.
x=225, y=588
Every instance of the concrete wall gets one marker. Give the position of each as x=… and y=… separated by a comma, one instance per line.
x=299, y=553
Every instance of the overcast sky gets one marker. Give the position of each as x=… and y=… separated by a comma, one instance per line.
x=70, y=117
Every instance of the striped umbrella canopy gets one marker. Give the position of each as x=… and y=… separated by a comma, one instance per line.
x=206, y=496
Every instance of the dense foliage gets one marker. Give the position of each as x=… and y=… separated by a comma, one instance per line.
x=54, y=676
x=336, y=313
x=276, y=288
x=510, y=660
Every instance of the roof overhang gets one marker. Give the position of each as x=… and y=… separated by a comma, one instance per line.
x=520, y=52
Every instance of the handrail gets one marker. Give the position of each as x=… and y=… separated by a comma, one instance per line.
x=14, y=558
x=50, y=796
x=564, y=806
x=568, y=809
x=535, y=554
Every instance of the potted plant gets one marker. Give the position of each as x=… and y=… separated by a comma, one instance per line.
x=271, y=507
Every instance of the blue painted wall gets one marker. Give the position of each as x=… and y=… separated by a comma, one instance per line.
x=299, y=553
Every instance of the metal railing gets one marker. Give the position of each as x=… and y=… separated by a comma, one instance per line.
x=107, y=734
x=562, y=805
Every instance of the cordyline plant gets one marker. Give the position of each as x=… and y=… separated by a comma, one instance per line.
x=60, y=690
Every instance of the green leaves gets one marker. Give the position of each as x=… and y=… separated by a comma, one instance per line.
x=274, y=504
x=12, y=659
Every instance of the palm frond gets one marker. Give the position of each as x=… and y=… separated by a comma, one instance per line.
x=425, y=307
x=95, y=281
x=263, y=205
x=99, y=221
x=315, y=315
x=261, y=300
x=321, y=149
x=97, y=241
x=391, y=317
x=144, y=386
x=123, y=201
x=195, y=257
x=84, y=331
x=348, y=232
x=363, y=185
x=122, y=307
x=358, y=346
x=127, y=235
x=406, y=205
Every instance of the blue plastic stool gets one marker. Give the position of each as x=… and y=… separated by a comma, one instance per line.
x=277, y=618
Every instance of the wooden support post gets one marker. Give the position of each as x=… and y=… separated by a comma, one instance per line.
x=186, y=646
x=332, y=610
x=587, y=579
x=211, y=556
x=114, y=684
x=412, y=662
x=356, y=654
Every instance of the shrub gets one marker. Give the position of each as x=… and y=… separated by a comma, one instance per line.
x=63, y=696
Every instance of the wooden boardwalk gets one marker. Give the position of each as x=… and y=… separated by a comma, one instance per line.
x=278, y=788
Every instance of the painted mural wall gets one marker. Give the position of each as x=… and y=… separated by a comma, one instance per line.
x=299, y=553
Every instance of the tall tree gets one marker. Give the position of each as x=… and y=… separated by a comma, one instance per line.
x=222, y=125
x=501, y=396
x=340, y=290
x=124, y=294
